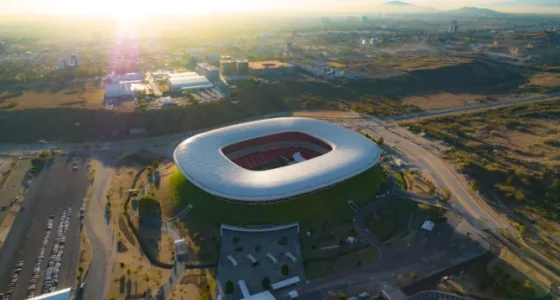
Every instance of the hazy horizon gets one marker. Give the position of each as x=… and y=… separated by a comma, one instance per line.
x=135, y=8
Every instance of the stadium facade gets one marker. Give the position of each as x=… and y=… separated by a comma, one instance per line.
x=274, y=159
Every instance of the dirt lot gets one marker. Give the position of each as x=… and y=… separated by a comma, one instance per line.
x=326, y=114
x=443, y=100
x=55, y=188
x=545, y=80
x=133, y=273
x=193, y=286
x=75, y=97
x=15, y=186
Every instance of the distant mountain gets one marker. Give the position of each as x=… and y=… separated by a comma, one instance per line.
x=528, y=3
x=404, y=7
x=475, y=11
x=399, y=3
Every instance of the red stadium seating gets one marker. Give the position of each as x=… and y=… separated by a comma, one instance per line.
x=286, y=136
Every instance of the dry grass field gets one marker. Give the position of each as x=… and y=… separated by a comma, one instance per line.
x=86, y=96
x=545, y=79
x=326, y=114
x=133, y=273
x=444, y=100
x=194, y=285
x=511, y=155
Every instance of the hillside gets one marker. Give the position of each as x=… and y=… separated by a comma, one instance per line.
x=528, y=3
x=398, y=3
x=404, y=7
x=477, y=12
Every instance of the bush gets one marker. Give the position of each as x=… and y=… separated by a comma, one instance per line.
x=285, y=269
x=283, y=241
x=122, y=265
x=266, y=283
x=342, y=296
x=239, y=249
x=258, y=248
x=229, y=287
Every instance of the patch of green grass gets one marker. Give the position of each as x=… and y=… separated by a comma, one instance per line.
x=401, y=181
x=209, y=210
x=356, y=259
x=393, y=220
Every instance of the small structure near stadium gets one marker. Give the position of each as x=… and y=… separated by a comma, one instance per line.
x=274, y=159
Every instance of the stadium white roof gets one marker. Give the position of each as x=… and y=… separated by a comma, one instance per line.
x=57, y=295
x=201, y=160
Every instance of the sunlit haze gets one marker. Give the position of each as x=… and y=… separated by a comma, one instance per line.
x=139, y=8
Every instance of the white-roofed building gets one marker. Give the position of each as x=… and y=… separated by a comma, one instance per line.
x=202, y=160
x=189, y=82
x=286, y=283
x=266, y=295
x=428, y=225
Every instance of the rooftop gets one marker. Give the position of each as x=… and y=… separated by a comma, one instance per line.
x=268, y=64
x=190, y=82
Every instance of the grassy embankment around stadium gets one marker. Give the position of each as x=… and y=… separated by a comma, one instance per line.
x=212, y=211
x=327, y=207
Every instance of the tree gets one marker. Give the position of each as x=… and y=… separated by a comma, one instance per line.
x=445, y=195
x=155, y=164
x=413, y=276
x=342, y=296
x=229, y=287
x=432, y=190
x=266, y=283
x=380, y=141
x=285, y=269
x=400, y=277
x=474, y=186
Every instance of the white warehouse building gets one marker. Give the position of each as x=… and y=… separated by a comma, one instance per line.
x=188, y=81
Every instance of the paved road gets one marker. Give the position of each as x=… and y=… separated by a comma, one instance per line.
x=473, y=107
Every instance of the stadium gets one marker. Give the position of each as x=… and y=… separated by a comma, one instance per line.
x=275, y=159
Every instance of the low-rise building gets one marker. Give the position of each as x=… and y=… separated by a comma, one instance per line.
x=188, y=81
x=270, y=67
x=212, y=73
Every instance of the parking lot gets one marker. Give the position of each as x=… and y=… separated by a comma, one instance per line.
x=259, y=245
x=42, y=249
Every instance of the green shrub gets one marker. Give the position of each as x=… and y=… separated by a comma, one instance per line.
x=229, y=287
x=283, y=241
x=285, y=269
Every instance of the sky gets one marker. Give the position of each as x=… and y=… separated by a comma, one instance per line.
x=150, y=7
